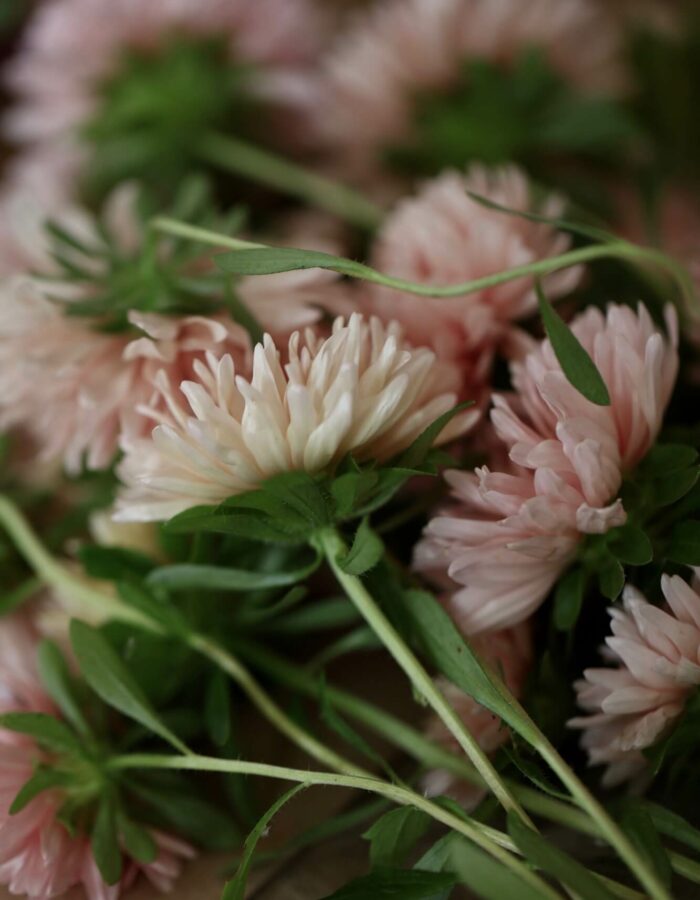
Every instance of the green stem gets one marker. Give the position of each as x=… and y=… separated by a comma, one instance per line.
x=279, y=173
x=352, y=269
x=494, y=842
x=334, y=547
x=54, y=574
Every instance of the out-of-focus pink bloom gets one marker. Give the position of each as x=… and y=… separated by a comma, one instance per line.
x=657, y=653
x=441, y=237
x=510, y=654
x=404, y=49
x=511, y=534
x=361, y=391
x=73, y=47
x=38, y=856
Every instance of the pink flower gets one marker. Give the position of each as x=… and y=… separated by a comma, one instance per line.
x=657, y=653
x=403, y=49
x=361, y=391
x=38, y=856
x=510, y=654
x=441, y=237
x=511, y=534
x=74, y=51
x=75, y=386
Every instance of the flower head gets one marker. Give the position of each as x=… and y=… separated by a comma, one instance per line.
x=657, y=656
x=510, y=534
x=360, y=391
x=39, y=857
x=510, y=654
x=402, y=50
x=112, y=81
x=442, y=236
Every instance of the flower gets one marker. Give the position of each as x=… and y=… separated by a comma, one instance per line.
x=74, y=385
x=442, y=236
x=360, y=391
x=657, y=653
x=509, y=653
x=80, y=58
x=39, y=857
x=511, y=534
x=404, y=49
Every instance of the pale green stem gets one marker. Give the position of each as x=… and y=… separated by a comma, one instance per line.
x=494, y=842
x=289, y=178
x=613, y=250
x=334, y=547
x=54, y=574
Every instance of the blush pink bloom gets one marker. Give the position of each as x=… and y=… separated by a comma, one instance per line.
x=510, y=654
x=441, y=237
x=38, y=856
x=657, y=656
x=72, y=47
x=361, y=391
x=403, y=49
x=511, y=534
x=75, y=388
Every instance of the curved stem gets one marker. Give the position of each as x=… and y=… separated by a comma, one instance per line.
x=334, y=547
x=612, y=250
x=54, y=574
x=494, y=842
x=283, y=175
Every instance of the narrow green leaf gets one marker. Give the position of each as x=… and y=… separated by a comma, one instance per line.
x=42, y=780
x=395, y=884
x=138, y=841
x=416, y=453
x=217, y=709
x=394, y=835
x=185, y=576
x=673, y=825
x=46, y=730
x=271, y=260
x=366, y=551
x=114, y=563
x=545, y=856
x=575, y=362
x=105, y=841
x=568, y=599
x=639, y=825
x=56, y=678
x=110, y=679
x=488, y=878
x=236, y=887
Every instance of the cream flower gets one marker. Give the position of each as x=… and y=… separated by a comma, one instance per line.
x=658, y=665
x=442, y=236
x=360, y=391
x=511, y=534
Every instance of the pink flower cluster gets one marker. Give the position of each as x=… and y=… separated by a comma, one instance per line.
x=657, y=655
x=511, y=534
x=38, y=856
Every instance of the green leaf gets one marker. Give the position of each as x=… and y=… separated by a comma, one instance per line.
x=415, y=454
x=672, y=825
x=366, y=551
x=138, y=841
x=437, y=859
x=114, y=563
x=337, y=723
x=161, y=611
x=489, y=878
x=56, y=678
x=351, y=490
x=555, y=862
x=674, y=486
x=217, y=709
x=105, y=841
x=575, y=362
x=640, y=828
x=611, y=578
x=568, y=599
x=630, y=545
x=395, y=884
x=46, y=730
x=110, y=679
x=42, y=780
x=664, y=459
x=395, y=835
x=270, y=260
x=684, y=545
x=185, y=576
x=236, y=888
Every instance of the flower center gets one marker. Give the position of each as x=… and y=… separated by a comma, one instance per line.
x=156, y=107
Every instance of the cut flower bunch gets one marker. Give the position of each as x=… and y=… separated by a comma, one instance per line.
x=350, y=344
